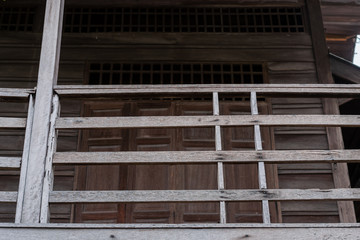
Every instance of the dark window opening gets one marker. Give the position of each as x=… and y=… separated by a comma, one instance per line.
x=17, y=19
x=225, y=19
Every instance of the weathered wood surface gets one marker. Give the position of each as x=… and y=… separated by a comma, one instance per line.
x=10, y=162
x=24, y=160
x=181, y=157
x=49, y=168
x=15, y=93
x=203, y=121
x=180, y=232
x=331, y=90
x=8, y=197
x=138, y=196
x=12, y=122
x=48, y=73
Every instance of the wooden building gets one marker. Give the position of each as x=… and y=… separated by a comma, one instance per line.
x=189, y=119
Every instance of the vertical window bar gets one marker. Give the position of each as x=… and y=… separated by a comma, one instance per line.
x=218, y=147
x=261, y=165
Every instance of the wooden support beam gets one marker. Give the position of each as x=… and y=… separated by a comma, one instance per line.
x=207, y=121
x=204, y=195
x=24, y=160
x=331, y=106
x=185, y=157
x=48, y=72
x=305, y=90
x=10, y=162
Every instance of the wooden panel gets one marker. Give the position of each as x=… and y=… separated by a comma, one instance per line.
x=12, y=122
x=203, y=121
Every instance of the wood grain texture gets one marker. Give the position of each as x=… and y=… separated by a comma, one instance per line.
x=48, y=72
x=203, y=121
x=305, y=90
x=139, y=196
x=8, y=197
x=10, y=162
x=184, y=232
x=12, y=122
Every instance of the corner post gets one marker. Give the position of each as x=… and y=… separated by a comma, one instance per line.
x=335, y=140
x=47, y=78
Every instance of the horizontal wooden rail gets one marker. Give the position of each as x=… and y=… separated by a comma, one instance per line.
x=15, y=92
x=8, y=197
x=203, y=195
x=6, y=122
x=305, y=90
x=182, y=157
x=10, y=162
x=208, y=121
x=209, y=231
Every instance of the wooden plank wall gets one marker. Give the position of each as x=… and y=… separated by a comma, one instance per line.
x=289, y=59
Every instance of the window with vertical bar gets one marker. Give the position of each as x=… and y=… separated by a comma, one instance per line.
x=17, y=19
x=196, y=19
x=175, y=73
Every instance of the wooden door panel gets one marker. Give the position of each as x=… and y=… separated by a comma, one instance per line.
x=159, y=177
x=150, y=177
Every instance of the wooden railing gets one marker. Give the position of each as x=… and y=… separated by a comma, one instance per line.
x=217, y=156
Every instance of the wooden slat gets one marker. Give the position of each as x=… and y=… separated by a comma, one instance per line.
x=218, y=147
x=204, y=121
x=344, y=69
x=12, y=122
x=8, y=197
x=203, y=195
x=181, y=231
x=306, y=90
x=10, y=162
x=182, y=157
x=261, y=164
x=15, y=92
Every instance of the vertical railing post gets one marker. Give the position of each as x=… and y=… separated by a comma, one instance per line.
x=261, y=165
x=49, y=168
x=47, y=78
x=24, y=160
x=218, y=147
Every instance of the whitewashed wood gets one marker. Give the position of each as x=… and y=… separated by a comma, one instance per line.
x=8, y=197
x=218, y=147
x=349, y=194
x=207, y=121
x=6, y=122
x=239, y=226
x=49, y=169
x=184, y=232
x=153, y=157
x=10, y=162
x=24, y=160
x=48, y=72
x=261, y=165
x=306, y=90
x=15, y=92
